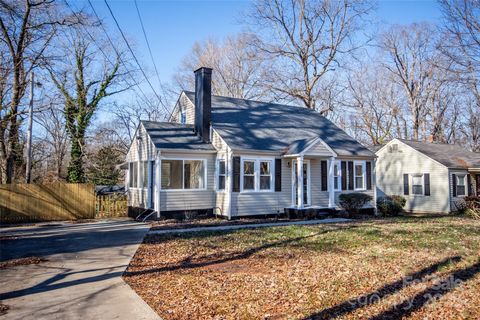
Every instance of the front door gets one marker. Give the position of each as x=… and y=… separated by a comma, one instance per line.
x=306, y=183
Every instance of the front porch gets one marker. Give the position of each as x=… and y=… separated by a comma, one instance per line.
x=314, y=177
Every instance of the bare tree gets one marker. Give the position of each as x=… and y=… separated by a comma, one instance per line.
x=238, y=67
x=305, y=40
x=26, y=30
x=411, y=52
x=84, y=84
x=462, y=26
x=375, y=101
x=54, y=137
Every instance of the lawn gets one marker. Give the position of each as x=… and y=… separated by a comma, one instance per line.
x=417, y=268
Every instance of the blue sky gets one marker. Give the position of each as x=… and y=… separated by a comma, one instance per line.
x=173, y=27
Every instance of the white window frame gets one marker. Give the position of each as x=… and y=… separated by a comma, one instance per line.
x=465, y=185
x=364, y=175
x=338, y=176
x=205, y=167
x=217, y=182
x=133, y=175
x=256, y=179
x=182, y=115
x=422, y=181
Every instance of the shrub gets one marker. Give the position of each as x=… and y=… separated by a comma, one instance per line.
x=391, y=205
x=472, y=205
x=353, y=202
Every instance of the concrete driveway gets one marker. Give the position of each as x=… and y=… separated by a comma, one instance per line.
x=82, y=277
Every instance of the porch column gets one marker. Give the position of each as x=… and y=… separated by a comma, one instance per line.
x=157, y=184
x=331, y=184
x=300, y=182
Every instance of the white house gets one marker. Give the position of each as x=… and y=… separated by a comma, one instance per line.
x=432, y=176
x=242, y=157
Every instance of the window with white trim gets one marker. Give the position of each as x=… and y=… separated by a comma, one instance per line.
x=265, y=175
x=183, y=174
x=461, y=185
x=359, y=175
x=222, y=174
x=133, y=174
x=144, y=172
x=182, y=116
x=257, y=175
x=337, y=176
x=417, y=184
x=248, y=175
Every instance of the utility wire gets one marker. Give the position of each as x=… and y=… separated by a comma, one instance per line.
x=134, y=56
x=103, y=52
x=146, y=40
x=116, y=50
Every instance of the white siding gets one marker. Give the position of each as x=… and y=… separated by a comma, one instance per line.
x=187, y=106
x=141, y=149
x=223, y=197
x=319, y=197
x=319, y=149
x=256, y=203
x=390, y=168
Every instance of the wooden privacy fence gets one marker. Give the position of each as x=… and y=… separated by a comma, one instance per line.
x=57, y=201
x=46, y=202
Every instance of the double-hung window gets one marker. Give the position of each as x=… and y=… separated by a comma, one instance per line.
x=417, y=184
x=266, y=175
x=249, y=175
x=337, y=176
x=461, y=185
x=359, y=175
x=257, y=175
x=183, y=174
x=222, y=173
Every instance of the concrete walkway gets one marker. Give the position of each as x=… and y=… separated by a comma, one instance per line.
x=251, y=226
x=82, y=277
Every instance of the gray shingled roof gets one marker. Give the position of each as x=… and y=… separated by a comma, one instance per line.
x=254, y=125
x=169, y=135
x=450, y=155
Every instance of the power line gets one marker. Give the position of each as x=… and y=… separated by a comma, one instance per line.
x=148, y=43
x=103, y=52
x=133, y=54
x=116, y=51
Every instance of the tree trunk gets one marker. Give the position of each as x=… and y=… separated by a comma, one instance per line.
x=76, y=173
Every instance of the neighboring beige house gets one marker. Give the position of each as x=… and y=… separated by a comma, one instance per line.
x=433, y=177
x=242, y=157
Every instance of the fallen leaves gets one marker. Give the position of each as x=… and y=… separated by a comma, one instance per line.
x=21, y=261
x=312, y=272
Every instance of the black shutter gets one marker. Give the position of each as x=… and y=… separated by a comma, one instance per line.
x=368, y=170
x=350, y=175
x=236, y=174
x=324, y=172
x=454, y=185
x=406, y=188
x=469, y=182
x=278, y=175
x=426, y=182
x=344, y=175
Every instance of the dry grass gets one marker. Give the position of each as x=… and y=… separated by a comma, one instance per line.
x=375, y=269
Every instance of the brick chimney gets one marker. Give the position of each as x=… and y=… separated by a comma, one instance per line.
x=203, y=102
